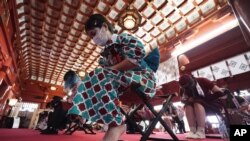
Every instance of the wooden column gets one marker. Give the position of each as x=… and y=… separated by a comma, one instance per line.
x=242, y=12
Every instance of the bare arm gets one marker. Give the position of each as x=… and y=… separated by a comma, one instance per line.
x=216, y=89
x=124, y=65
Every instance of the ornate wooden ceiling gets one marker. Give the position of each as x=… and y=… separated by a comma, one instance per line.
x=51, y=38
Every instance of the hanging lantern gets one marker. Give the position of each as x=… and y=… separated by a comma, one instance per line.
x=12, y=101
x=129, y=22
x=130, y=19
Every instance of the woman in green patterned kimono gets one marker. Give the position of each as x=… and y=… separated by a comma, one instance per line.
x=96, y=97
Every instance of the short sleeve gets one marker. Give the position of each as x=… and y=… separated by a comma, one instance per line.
x=206, y=83
x=133, y=49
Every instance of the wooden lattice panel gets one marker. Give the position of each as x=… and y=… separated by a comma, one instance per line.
x=52, y=38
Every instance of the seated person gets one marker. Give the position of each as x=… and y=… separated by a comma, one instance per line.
x=237, y=107
x=233, y=102
x=57, y=118
x=145, y=113
x=42, y=121
x=122, y=63
x=180, y=113
x=142, y=114
x=176, y=120
x=197, y=94
x=168, y=117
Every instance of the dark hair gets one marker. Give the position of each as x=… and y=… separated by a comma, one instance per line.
x=48, y=105
x=70, y=79
x=97, y=20
x=56, y=101
x=57, y=98
x=186, y=80
x=69, y=74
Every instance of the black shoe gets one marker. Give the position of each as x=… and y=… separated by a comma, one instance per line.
x=44, y=130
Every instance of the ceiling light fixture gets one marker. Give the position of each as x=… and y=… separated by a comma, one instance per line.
x=69, y=93
x=12, y=101
x=81, y=73
x=65, y=98
x=182, y=48
x=129, y=19
x=53, y=88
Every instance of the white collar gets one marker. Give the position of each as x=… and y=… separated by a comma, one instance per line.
x=199, y=89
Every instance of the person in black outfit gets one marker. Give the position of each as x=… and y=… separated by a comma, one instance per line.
x=57, y=119
x=42, y=121
x=181, y=127
x=177, y=119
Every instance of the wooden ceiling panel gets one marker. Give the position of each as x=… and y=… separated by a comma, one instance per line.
x=52, y=38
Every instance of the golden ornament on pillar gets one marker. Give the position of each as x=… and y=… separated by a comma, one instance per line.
x=182, y=68
x=183, y=61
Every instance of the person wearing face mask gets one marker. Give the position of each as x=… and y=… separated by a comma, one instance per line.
x=96, y=97
x=197, y=94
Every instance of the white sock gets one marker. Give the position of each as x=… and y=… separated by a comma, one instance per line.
x=201, y=129
x=193, y=129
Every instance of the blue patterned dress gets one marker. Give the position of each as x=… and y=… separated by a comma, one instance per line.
x=97, y=97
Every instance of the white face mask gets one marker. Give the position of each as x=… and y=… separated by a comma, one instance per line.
x=101, y=37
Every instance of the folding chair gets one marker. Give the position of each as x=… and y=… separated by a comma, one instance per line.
x=227, y=117
x=133, y=113
x=76, y=124
x=238, y=114
x=219, y=108
x=140, y=98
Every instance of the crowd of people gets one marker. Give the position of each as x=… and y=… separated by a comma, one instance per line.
x=96, y=96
